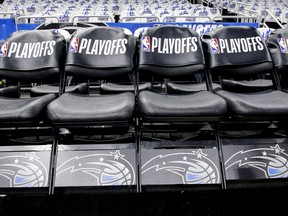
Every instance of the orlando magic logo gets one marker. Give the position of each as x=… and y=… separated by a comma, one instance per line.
x=192, y=168
x=74, y=45
x=271, y=162
x=146, y=44
x=214, y=46
x=3, y=50
x=22, y=171
x=282, y=45
x=104, y=169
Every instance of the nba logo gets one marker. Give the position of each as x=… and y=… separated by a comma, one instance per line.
x=146, y=44
x=74, y=45
x=3, y=51
x=214, y=46
x=283, y=45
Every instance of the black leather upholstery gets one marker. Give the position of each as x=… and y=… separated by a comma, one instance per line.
x=161, y=55
x=23, y=110
x=10, y=91
x=236, y=51
x=50, y=89
x=30, y=56
x=277, y=44
x=96, y=61
x=247, y=98
x=100, y=52
x=109, y=88
x=200, y=104
x=75, y=108
x=263, y=104
x=247, y=85
x=178, y=50
x=189, y=88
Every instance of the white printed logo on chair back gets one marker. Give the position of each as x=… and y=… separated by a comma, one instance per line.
x=178, y=49
x=32, y=54
x=277, y=43
x=104, y=48
x=237, y=47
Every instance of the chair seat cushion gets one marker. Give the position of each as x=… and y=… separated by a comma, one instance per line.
x=267, y=103
x=200, y=104
x=189, y=88
x=107, y=88
x=23, y=109
x=10, y=91
x=52, y=89
x=76, y=108
x=247, y=86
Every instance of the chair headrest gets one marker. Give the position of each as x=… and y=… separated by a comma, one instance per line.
x=171, y=47
x=100, y=48
x=235, y=47
x=277, y=43
x=32, y=54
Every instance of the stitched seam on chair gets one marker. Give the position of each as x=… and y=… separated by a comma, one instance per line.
x=131, y=106
x=26, y=109
x=52, y=112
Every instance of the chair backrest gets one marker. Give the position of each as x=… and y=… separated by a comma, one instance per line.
x=32, y=55
x=237, y=52
x=277, y=43
x=171, y=51
x=101, y=53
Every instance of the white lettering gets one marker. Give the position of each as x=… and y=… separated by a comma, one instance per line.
x=31, y=50
x=239, y=45
x=102, y=47
x=174, y=45
x=83, y=44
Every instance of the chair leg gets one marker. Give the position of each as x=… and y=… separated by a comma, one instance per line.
x=138, y=156
x=221, y=157
x=53, y=162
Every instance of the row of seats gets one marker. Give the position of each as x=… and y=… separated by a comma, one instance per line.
x=244, y=63
x=279, y=8
x=185, y=13
x=129, y=11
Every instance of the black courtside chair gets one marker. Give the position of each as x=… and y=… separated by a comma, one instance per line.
x=250, y=85
x=169, y=52
x=30, y=56
x=96, y=53
x=240, y=57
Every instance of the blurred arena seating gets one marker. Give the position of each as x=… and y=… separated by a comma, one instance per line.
x=269, y=10
x=106, y=10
